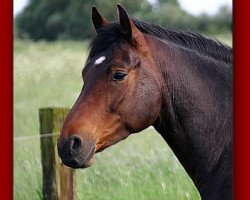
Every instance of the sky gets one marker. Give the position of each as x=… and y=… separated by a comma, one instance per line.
x=195, y=7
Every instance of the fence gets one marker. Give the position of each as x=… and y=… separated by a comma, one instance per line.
x=58, y=180
x=112, y=177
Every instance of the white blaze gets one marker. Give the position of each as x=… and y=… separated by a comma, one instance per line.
x=100, y=60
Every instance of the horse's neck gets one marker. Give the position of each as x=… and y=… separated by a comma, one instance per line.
x=196, y=118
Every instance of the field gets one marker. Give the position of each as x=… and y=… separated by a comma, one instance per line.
x=142, y=167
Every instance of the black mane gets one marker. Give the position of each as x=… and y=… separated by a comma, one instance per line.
x=111, y=35
x=189, y=40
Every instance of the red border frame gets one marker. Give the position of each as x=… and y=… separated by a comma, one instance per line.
x=6, y=99
x=241, y=44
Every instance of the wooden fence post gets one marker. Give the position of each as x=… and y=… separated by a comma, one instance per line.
x=58, y=180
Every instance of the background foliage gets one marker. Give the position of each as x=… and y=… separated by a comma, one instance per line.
x=70, y=19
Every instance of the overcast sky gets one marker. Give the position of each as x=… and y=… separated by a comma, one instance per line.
x=193, y=6
x=196, y=7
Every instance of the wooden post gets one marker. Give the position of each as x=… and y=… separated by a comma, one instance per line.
x=58, y=180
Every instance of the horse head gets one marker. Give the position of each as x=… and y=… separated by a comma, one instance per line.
x=121, y=92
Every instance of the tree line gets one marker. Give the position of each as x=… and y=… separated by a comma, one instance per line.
x=70, y=19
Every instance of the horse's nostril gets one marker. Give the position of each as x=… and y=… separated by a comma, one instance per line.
x=75, y=144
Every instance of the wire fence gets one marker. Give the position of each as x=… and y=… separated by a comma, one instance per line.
x=57, y=180
x=27, y=137
x=20, y=138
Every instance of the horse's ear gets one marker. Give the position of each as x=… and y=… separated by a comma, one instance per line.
x=98, y=20
x=128, y=27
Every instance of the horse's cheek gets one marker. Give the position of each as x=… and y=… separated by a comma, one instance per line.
x=142, y=109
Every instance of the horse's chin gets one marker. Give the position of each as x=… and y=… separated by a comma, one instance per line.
x=88, y=162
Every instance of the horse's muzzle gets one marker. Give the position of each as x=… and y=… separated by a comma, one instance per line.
x=75, y=154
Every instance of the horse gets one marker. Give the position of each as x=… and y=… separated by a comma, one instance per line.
x=137, y=75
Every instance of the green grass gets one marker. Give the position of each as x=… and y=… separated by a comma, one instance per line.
x=141, y=167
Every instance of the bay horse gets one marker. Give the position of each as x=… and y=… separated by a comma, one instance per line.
x=138, y=75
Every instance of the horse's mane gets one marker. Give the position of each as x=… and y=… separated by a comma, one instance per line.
x=111, y=35
x=188, y=39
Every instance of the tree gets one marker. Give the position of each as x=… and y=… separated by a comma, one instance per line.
x=53, y=19
x=36, y=19
x=71, y=19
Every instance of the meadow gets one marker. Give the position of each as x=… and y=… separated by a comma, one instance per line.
x=141, y=167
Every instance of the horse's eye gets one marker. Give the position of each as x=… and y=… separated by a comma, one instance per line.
x=119, y=76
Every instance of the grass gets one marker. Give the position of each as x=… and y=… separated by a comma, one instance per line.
x=141, y=167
